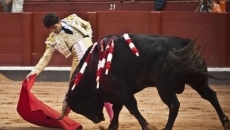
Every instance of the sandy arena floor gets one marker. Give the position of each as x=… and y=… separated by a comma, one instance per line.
x=194, y=114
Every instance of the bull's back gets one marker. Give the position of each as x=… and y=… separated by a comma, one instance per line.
x=139, y=72
x=149, y=48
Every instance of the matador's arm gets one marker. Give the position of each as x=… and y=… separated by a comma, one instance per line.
x=44, y=60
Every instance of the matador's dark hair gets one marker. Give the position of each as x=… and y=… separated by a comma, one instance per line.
x=50, y=19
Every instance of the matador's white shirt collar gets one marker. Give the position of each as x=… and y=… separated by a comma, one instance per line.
x=66, y=26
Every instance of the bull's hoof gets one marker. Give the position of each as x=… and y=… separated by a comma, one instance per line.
x=150, y=127
x=113, y=127
x=110, y=128
x=102, y=128
x=226, y=123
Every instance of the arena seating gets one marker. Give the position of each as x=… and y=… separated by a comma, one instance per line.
x=105, y=5
x=101, y=1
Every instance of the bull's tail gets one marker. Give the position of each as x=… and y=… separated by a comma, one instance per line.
x=188, y=60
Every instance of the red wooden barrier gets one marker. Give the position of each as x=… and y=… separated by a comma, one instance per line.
x=210, y=27
x=123, y=22
x=23, y=35
x=11, y=39
x=228, y=36
x=27, y=36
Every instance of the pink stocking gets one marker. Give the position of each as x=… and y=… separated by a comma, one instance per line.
x=108, y=107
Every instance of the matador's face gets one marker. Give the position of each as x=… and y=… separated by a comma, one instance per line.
x=56, y=28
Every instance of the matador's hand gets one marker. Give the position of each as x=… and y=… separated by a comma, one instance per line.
x=30, y=74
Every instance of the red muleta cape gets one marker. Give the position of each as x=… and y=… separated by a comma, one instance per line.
x=36, y=112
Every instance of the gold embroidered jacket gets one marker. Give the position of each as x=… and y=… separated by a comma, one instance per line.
x=63, y=42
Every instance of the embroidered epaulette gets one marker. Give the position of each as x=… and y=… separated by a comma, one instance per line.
x=71, y=17
x=51, y=39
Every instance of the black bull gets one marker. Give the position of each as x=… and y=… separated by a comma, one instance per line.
x=167, y=63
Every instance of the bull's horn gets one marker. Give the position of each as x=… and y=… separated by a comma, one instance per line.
x=64, y=109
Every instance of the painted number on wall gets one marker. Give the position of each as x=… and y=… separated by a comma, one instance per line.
x=112, y=7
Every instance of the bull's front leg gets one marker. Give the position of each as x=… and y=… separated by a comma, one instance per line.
x=115, y=121
x=133, y=109
x=127, y=98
